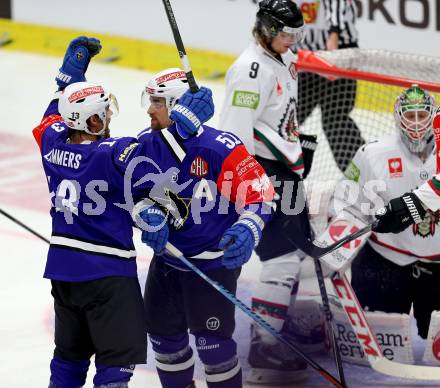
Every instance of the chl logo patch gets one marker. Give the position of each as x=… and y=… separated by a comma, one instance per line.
x=213, y=323
x=395, y=167
x=199, y=167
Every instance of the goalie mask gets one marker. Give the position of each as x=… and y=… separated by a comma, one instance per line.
x=169, y=84
x=414, y=112
x=279, y=16
x=81, y=100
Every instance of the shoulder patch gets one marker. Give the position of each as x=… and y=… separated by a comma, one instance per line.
x=352, y=172
x=244, y=99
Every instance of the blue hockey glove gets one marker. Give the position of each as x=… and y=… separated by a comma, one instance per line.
x=155, y=233
x=76, y=60
x=238, y=242
x=192, y=110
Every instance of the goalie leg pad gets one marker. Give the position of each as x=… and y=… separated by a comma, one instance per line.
x=219, y=355
x=174, y=360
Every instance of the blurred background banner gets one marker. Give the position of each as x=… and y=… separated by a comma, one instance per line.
x=411, y=26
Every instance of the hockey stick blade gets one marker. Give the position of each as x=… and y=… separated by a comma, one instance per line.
x=256, y=318
x=368, y=341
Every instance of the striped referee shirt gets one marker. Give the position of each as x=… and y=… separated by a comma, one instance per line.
x=324, y=16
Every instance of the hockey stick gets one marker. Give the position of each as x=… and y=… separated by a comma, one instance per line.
x=7, y=215
x=180, y=47
x=329, y=319
x=316, y=250
x=260, y=321
x=368, y=340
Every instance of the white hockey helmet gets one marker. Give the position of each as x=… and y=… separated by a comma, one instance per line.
x=81, y=100
x=414, y=112
x=169, y=83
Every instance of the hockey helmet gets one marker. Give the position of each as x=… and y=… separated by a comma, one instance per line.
x=413, y=112
x=169, y=84
x=276, y=16
x=81, y=100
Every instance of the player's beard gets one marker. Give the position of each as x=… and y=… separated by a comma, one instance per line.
x=154, y=124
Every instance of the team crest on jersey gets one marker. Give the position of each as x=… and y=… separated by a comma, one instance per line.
x=177, y=208
x=292, y=70
x=199, y=167
x=427, y=227
x=288, y=126
x=395, y=167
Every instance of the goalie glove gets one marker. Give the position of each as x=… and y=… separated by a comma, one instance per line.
x=400, y=213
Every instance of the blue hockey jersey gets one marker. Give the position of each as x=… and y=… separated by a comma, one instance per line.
x=211, y=181
x=203, y=183
x=92, y=229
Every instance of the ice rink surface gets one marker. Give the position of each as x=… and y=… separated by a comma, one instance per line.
x=26, y=330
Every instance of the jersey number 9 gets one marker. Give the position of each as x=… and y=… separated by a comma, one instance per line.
x=254, y=69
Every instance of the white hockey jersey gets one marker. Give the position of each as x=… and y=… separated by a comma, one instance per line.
x=261, y=103
x=385, y=169
x=429, y=193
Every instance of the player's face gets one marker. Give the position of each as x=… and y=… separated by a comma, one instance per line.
x=158, y=113
x=282, y=42
x=416, y=123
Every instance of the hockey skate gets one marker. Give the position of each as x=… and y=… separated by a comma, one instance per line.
x=273, y=362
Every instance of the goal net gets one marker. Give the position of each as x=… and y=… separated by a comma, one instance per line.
x=346, y=97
